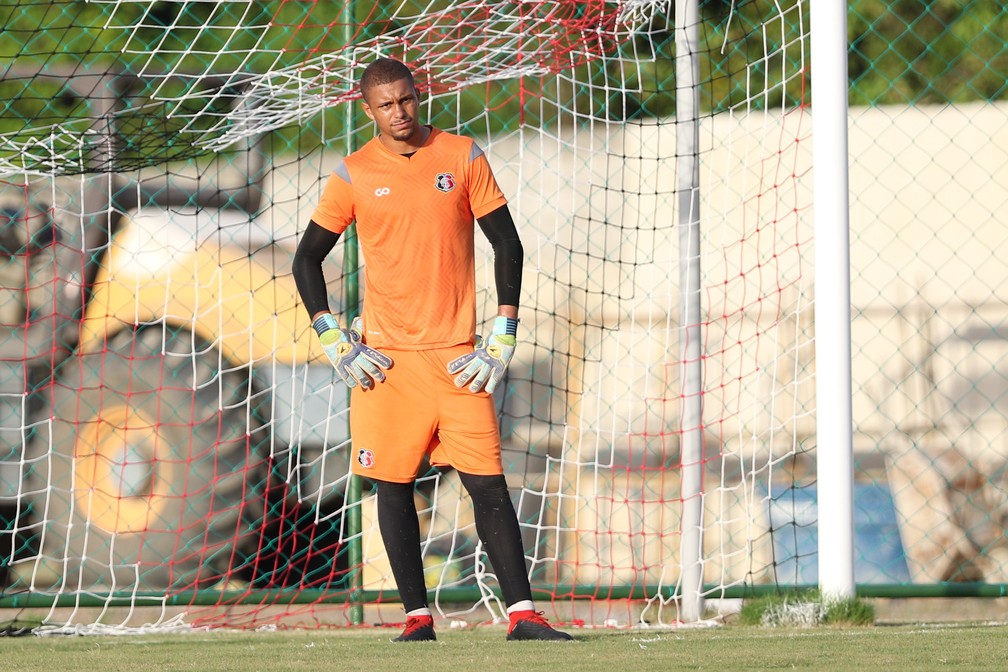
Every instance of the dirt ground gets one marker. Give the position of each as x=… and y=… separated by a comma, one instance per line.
x=892, y=611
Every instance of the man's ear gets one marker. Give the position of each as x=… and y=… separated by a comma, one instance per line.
x=367, y=110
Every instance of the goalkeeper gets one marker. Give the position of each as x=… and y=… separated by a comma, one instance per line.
x=421, y=381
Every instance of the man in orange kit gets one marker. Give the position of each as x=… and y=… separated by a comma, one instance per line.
x=414, y=192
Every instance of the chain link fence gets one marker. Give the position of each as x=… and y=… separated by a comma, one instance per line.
x=148, y=144
x=928, y=167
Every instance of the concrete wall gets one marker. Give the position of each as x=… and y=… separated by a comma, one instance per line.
x=596, y=381
x=594, y=385
x=598, y=216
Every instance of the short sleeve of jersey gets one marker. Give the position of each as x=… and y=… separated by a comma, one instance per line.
x=335, y=209
x=485, y=194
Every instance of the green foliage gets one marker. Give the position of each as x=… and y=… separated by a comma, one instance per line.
x=937, y=51
x=901, y=52
x=850, y=611
x=753, y=608
x=805, y=608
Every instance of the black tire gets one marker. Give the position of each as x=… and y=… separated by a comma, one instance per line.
x=154, y=466
x=304, y=545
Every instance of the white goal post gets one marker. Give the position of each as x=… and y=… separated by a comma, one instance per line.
x=834, y=423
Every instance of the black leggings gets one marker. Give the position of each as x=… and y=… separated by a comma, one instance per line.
x=496, y=525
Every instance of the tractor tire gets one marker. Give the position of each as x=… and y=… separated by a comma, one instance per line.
x=154, y=467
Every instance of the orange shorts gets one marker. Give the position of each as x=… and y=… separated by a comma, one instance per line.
x=419, y=412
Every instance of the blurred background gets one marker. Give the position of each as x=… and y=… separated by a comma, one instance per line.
x=171, y=434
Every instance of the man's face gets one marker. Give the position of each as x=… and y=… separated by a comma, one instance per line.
x=393, y=107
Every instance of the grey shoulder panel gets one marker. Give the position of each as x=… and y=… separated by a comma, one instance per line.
x=343, y=172
x=475, y=152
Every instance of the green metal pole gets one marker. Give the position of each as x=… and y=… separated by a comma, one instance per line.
x=351, y=289
x=637, y=591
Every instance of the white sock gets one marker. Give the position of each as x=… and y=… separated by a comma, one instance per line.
x=524, y=605
x=422, y=611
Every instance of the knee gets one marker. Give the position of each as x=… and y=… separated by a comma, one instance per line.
x=485, y=489
x=389, y=492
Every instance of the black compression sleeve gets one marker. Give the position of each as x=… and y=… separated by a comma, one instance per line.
x=315, y=246
x=500, y=230
x=498, y=529
x=400, y=533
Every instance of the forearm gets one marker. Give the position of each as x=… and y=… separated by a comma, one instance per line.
x=507, y=311
x=509, y=256
x=314, y=247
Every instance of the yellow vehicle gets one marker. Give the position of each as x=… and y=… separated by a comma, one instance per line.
x=161, y=396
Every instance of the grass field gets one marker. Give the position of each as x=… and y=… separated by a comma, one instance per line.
x=907, y=647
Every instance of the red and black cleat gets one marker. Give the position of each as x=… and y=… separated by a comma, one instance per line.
x=530, y=625
x=418, y=629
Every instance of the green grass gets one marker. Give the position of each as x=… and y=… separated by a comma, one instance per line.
x=792, y=607
x=483, y=649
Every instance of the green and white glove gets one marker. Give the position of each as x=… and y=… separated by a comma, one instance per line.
x=488, y=362
x=353, y=361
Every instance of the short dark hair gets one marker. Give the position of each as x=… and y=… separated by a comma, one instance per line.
x=384, y=71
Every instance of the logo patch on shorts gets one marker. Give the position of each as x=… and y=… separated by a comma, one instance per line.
x=444, y=182
x=365, y=458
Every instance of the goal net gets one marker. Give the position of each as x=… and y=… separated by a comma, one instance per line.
x=174, y=445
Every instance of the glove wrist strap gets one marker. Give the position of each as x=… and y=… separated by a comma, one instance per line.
x=324, y=323
x=505, y=325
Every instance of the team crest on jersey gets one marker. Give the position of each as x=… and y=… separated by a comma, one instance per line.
x=365, y=458
x=444, y=182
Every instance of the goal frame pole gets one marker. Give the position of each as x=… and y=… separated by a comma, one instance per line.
x=834, y=440
x=687, y=74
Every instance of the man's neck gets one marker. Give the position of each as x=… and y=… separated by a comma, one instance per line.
x=410, y=145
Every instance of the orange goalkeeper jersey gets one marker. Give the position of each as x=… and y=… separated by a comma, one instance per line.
x=415, y=221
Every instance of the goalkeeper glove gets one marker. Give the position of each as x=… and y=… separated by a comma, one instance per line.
x=487, y=363
x=354, y=361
